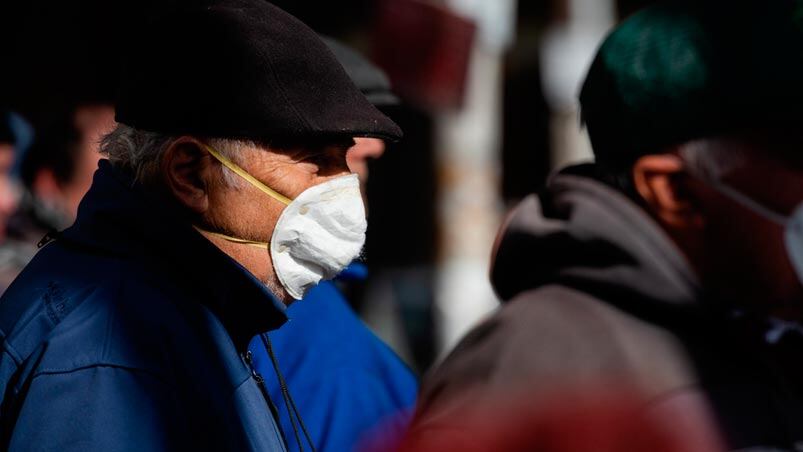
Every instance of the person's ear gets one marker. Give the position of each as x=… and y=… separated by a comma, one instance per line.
x=186, y=168
x=660, y=181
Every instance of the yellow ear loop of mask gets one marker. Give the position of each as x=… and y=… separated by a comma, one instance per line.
x=260, y=245
x=253, y=181
x=249, y=178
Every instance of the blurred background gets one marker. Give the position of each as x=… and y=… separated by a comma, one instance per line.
x=489, y=109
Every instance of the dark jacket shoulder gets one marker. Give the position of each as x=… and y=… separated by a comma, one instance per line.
x=554, y=337
x=121, y=335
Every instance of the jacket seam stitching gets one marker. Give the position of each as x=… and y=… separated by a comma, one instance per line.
x=65, y=371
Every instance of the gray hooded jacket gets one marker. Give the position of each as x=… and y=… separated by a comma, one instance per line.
x=597, y=295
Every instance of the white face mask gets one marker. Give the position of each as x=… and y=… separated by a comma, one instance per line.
x=318, y=234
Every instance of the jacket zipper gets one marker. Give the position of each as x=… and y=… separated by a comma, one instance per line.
x=248, y=358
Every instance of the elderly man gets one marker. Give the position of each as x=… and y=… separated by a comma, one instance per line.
x=367, y=390
x=670, y=270
x=226, y=194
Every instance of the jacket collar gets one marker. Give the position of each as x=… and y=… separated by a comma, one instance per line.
x=117, y=217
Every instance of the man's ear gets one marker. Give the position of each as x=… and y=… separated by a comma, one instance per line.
x=185, y=168
x=661, y=180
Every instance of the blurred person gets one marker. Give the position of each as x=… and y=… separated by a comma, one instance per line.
x=13, y=254
x=94, y=121
x=673, y=266
x=225, y=196
x=57, y=170
x=359, y=155
x=367, y=386
x=9, y=193
x=375, y=85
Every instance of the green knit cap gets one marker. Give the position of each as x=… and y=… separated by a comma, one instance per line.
x=683, y=70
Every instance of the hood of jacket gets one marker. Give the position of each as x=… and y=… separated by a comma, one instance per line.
x=586, y=235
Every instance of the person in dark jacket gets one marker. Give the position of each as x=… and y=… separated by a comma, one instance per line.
x=366, y=389
x=672, y=268
x=225, y=196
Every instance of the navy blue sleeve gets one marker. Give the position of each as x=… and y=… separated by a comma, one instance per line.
x=98, y=409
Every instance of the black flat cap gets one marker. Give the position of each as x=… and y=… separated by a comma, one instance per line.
x=683, y=70
x=241, y=69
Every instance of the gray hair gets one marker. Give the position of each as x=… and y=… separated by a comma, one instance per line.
x=141, y=152
x=713, y=158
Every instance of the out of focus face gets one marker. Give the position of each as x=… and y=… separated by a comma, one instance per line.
x=9, y=191
x=93, y=122
x=744, y=255
x=364, y=149
x=731, y=226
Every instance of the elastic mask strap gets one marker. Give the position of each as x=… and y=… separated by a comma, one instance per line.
x=251, y=179
x=260, y=245
x=749, y=203
x=739, y=197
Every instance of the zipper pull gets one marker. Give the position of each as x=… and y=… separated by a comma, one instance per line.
x=49, y=237
x=248, y=357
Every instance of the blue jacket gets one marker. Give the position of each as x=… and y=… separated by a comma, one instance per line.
x=125, y=334
x=346, y=383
